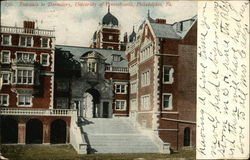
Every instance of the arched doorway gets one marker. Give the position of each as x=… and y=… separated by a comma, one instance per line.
x=34, y=131
x=9, y=130
x=187, y=136
x=91, y=104
x=58, y=131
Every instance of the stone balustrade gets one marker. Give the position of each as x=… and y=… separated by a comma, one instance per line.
x=20, y=30
x=37, y=112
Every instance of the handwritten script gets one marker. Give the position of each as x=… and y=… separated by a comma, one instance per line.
x=223, y=80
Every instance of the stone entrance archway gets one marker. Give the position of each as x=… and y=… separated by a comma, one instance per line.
x=91, y=104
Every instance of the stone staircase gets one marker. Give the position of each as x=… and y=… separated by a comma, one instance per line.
x=115, y=135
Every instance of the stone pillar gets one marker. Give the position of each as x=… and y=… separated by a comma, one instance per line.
x=67, y=133
x=46, y=133
x=21, y=132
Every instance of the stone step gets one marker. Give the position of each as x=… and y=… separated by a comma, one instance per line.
x=116, y=135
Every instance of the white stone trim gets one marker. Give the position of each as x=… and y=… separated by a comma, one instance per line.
x=178, y=120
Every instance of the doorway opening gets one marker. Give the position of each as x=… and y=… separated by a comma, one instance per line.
x=91, y=104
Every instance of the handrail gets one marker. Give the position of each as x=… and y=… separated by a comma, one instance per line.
x=35, y=111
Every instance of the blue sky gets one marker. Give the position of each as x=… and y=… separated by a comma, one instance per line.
x=75, y=25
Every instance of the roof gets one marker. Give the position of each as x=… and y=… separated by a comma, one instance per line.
x=77, y=52
x=164, y=31
x=109, y=19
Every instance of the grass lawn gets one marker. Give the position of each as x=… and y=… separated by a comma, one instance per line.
x=66, y=152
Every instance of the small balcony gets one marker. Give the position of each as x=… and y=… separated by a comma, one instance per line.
x=29, y=31
x=37, y=112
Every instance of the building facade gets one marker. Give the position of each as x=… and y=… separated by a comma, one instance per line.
x=162, y=67
x=27, y=94
x=149, y=76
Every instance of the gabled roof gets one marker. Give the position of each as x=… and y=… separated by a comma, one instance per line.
x=164, y=31
x=77, y=52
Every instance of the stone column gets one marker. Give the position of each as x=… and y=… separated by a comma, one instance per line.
x=46, y=133
x=21, y=132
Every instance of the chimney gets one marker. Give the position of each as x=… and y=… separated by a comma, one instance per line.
x=161, y=21
x=125, y=38
x=29, y=24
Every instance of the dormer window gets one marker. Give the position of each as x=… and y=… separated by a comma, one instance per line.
x=92, y=67
x=116, y=58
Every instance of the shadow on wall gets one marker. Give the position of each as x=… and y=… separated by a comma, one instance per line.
x=82, y=122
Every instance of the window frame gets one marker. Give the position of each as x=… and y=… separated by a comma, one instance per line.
x=171, y=75
x=24, y=105
x=26, y=41
x=9, y=80
x=5, y=51
x=1, y=100
x=41, y=59
x=15, y=76
x=29, y=53
x=143, y=107
x=170, y=101
x=42, y=46
x=9, y=39
x=119, y=109
x=144, y=81
x=117, y=87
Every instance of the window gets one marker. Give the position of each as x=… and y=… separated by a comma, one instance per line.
x=120, y=88
x=92, y=67
x=23, y=76
x=6, y=78
x=132, y=56
x=145, y=78
x=133, y=87
x=4, y=100
x=133, y=104
x=110, y=37
x=5, y=57
x=62, y=103
x=26, y=56
x=45, y=42
x=6, y=40
x=167, y=101
x=168, y=74
x=186, y=136
x=116, y=58
x=26, y=41
x=24, y=100
x=44, y=60
x=62, y=86
x=145, y=102
x=120, y=105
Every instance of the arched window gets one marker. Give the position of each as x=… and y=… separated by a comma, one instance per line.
x=187, y=136
x=58, y=131
x=34, y=131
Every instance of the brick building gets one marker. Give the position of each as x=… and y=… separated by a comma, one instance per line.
x=149, y=76
x=162, y=67
x=27, y=94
